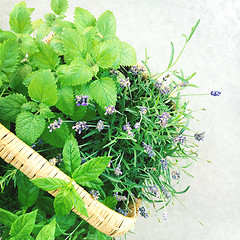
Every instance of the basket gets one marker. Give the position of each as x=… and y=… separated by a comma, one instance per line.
x=33, y=165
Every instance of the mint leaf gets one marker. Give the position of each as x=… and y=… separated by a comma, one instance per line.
x=59, y=6
x=74, y=43
x=43, y=30
x=50, y=17
x=78, y=202
x=45, y=111
x=71, y=155
x=43, y=88
x=104, y=91
x=6, y=35
x=47, y=232
x=79, y=113
x=95, y=183
x=10, y=106
x=8, y=56
x=23, y=225
x=65, y=222
x=56, y=138
x=27, y=191
x=78, y=72
x=65, y=101
x=20, y=21
x=56, y=44
x=3, y=78
x=29, y=107
x=110, y=202
x=83, y=89
x=106, y=53
x=36, y=24
x=83, y=19
x=106, y=24
x=46, y=58
x=28, y=45
x=6, y=217
x=29, y=127
x=63, y=202
x=91, y=169
x=49, y=184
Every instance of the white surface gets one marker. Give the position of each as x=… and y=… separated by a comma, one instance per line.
x=214, y=196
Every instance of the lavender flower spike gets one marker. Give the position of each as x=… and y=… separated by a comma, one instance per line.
x=215, y=93
x=110, y=109
x=81, y=100
x=100, y=125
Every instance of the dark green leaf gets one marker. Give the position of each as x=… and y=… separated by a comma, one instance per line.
x=47, y=232
x=110, y=202
x=7, y=218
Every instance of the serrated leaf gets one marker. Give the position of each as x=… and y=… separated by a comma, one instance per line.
x=83, y=19
x=56, y=44
x=7, y=218
x=27, y=191
x=110, y=202
x=45, y=111
x=28, y=45
x=6, y=35
x=29, y=127
x=43, y=30
x=10, y=106
x=78, y=202
x=74, y=43
x=63, y=202
x=83, y=89
x=59, y=6
x=91, y=170
x=23, y=225
x=65, y=222
x=19, y=74
x=95, y=184
x=49, y=184
x=29, y=107
x=78, y=72
x=106, y=53
x=20, y=21
x=106, y=24
x=46, y=58
x=50, y=17
x=3, y=78
x=43, y=88
x=79, y=113
x=56, y=138
x=104, y=91
x=36, y=24
x=71, y=155
x=8, y=56
x=47, y=232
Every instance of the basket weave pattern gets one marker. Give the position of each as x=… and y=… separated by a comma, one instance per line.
x=33, y=165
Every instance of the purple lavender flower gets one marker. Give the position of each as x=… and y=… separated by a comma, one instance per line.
x=162, y=89
x=135, y=70
x=153, y=189
x=184, y=84
x=179, y=139
x=175, y=175
x=143, y=110
x=109, y=164
x=127, y=127
x=215, y=93
x=149, y=150
x=165, y=192
x=163, y=119
x=53, y=161
x=113, y=72
x=199, y=136
x=124, y=82
x=81, y=100
x=80, y=126
x=118, y=170
x=119, y=197
x=124, y=212
x=100, y=125
x=131, y=134
x=110, y=110
x=165, y=216
x=95, y=194
x=143, y=213
x=164, y=163
x=137, y=125
x=55, y=125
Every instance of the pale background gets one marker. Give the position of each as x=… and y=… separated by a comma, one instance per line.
x=213, y=52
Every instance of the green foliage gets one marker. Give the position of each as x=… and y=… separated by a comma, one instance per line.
x=20, y=21
x=71, y=155
x=28, y=45
x=78, y=202
x=104, y=91
x=47, y=232
x=59, y=6
x=49, y=184
x=29, y=127
x=110, y=202
x=91, y=169
x=10, y=106
x=6, y=217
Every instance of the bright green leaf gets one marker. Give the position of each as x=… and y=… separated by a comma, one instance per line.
x=8, y=56
x=78, y=202
x=63, y=202
x=59, y=6
x=28, y=45
x=45, y=111
x=10, y=106
x=79, y=112
x=78, y=72
x=90, y=170
x=104, y=91
x=36, y=24
x=6, y=35
x=20, y=21
x=110, y=202
x=46, y=58
x=49, y=184
x=50, y=17
x=106, y=24
x=71, y=155
x=29, y=127
x=83, y=19
x=47, y=232
x=23, y=225
x=43, y=88
x=6, y=217
x=96, y=183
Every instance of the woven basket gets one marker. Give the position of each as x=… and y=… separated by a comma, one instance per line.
x=33, y=165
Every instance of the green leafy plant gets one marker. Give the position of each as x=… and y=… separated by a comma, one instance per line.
x=75, y=93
